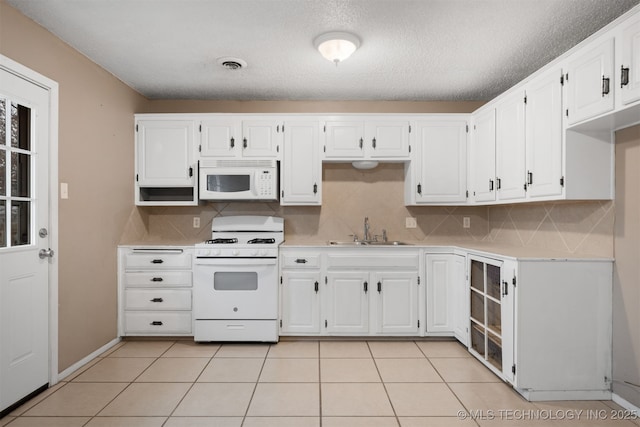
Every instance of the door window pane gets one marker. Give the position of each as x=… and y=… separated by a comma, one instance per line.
x=20, y=127
x=20, y=175
x=3, y=173
x=3, y=122
x=20, y=223
x=3, y=224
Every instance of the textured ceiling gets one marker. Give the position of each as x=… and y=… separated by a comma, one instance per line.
x=423, y=50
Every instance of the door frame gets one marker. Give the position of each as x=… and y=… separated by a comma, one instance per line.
x=51, y=86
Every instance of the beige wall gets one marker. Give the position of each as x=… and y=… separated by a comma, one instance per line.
x=626, y=281
x=96, y=160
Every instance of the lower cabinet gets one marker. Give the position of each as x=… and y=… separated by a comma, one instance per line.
x=367, y=292
x=155, y=291
x=543, y=325
x=446, y=300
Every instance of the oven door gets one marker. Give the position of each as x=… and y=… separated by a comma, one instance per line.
x=232, y=288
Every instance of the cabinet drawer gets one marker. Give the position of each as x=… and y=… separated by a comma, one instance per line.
x=157, y=299
x=300, y=261
x=157, y=323
x=157, y=279
x=157, y=260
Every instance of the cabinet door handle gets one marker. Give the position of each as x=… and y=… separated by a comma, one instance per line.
x=190, y=172
x=361, y=142
x=156, y=323
x=505, y=288
x=373, y=142
x=244, y=142
x=490, y=185
x=315, y=188
x=301, y=261
x=420, y=189
x=499, y=183
x=366, y=287
x=157, y=261
x=529, y=177
x=624, y=76
x=157, y=279
x=233, y=142
x=156, y=300
x=605, y=85
x=379, y=287
x=315, y=287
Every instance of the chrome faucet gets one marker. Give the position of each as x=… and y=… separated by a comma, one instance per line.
x=366, y=236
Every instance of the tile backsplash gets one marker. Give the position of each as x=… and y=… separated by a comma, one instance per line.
x=349, y=195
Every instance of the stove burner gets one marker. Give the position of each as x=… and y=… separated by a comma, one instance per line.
x=222, y=241
x=261, y=241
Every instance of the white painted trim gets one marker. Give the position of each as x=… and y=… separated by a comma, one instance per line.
x=51, y=86
x=80, y=363
x=625, y=404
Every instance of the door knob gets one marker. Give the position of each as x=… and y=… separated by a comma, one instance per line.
x=45, y=253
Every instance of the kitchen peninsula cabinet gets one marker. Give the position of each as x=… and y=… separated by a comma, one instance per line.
x=438, y=172
x=301, y=169
x=154, y=289
x=165, y=165
x=349, y=139
x=300, y=292
x=446, y=296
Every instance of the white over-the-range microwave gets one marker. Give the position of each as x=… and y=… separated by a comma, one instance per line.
x=241, y=179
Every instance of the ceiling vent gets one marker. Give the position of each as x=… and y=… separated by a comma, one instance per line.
x=231, y=63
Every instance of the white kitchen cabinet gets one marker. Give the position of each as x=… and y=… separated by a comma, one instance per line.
x=346, y=306
x=544, y=135
x=237, y=136
x=438, y=172
x=446, y=310
x=396, y=308
x=629, y=61
x=510, y=146
x=301, y=170
x=300, y=302
x=165, y=166
x=362, y=139
x=154, y=291
x=590, y=81
x=483, y=156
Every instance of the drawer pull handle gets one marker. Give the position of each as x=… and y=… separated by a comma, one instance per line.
x=157, y=279
x=157, y=261
x=301, y=261
x=156, y=323
x=156, y=300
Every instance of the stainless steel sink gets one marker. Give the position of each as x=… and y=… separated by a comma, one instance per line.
x=361, y=243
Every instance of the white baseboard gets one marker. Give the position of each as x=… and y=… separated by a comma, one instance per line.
x=625, y=404
x=79, y=364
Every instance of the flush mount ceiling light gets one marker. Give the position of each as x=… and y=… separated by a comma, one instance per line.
x=336, y=46
x=231, y=63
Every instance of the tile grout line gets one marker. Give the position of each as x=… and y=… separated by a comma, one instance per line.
x=255, y=387
x=384, y=386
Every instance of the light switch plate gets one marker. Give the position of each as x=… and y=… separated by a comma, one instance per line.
x=410, y=222
x=196, y=222
x=64, y=190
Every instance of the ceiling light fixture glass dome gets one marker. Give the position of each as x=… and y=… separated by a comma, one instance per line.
x=337, y=46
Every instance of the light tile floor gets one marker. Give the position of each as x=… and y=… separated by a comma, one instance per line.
x=295, y=384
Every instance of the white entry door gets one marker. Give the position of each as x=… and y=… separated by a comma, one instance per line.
x=24, y=235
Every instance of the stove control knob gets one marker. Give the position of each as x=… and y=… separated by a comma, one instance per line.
x=255, y=252
x=235, y=252
x=263, y=252
x=203, y=252
x=215, y=252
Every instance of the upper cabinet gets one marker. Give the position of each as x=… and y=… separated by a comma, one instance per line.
x=166, y=170
x=234, y=136
x=301, y=169
x=483, y=156
x=510, y=146
x=590, y=81
x=438, y=171
x=629, y=61
x=347, y=140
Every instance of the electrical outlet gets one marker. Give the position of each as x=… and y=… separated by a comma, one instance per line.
x=466, y=222
x=64, y=190
x=410, y=222
x=196, y=222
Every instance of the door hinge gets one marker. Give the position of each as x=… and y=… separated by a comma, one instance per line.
x=409, y=148
x=418, y=280
x=324, y=129
x=200, y=148
x=277, y=148
x=409, y=128
x=281, y=280
x=325, y=323
x=281, y=323
x=200, y=128
x=136, y=177
x=513, y=369
x=513, y=281
x=467, y=128
x=567, y=112
x=561, y=79
x=562, y=181
x=467, y=194
x=136, y=128
x=525, y=99
x=282, y=193
x=325, y=280
x=325, y=149
x=418, y=323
